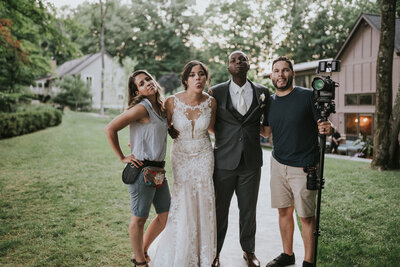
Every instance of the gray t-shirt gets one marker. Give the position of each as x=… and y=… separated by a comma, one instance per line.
x=293, y=121
x=149, y=140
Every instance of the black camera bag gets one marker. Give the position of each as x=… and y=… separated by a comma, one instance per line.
x=130, y=173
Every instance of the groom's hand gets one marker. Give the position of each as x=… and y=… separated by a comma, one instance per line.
x=265, y=131
x=174, y=133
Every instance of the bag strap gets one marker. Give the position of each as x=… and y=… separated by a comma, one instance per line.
x=160, y=164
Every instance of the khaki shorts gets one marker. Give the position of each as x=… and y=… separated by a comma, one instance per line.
x=288, y=189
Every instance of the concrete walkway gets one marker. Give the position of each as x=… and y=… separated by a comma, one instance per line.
x=336, y=156
x=268, y=239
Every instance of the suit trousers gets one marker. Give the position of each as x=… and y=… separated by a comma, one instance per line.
x=245, y=183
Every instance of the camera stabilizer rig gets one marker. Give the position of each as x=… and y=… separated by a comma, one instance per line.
x=324, y=96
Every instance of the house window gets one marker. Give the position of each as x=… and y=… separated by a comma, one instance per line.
x=366, y=99
x=350, y=100
x=304, y=80
x=351, y=124
x=89, y=81
x=365, y=125
x=359, y=99
x=301, y=81
x=359, y=124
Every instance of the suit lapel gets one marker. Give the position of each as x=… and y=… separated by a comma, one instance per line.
x=224, y=100
x=257, y=92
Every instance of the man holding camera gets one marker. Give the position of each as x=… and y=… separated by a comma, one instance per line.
x=294, y=122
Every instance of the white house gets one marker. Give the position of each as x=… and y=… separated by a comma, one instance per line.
x=89, y=68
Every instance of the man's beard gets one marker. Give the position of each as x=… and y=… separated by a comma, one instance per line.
x=288, y=84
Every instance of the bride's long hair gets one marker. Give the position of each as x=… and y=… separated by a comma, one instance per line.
x=134, y=99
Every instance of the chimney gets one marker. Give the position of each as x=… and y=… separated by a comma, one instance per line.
x=53, y=64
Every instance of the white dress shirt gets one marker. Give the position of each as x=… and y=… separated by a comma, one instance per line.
x=234, y=90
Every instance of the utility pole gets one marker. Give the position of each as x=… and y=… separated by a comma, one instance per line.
x=102, y=16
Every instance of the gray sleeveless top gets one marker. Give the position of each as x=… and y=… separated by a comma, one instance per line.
x=149, y=140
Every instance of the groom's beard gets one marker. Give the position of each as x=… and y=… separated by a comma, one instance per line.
x=283, y=88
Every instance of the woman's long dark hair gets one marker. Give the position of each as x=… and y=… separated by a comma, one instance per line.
x=134, y=99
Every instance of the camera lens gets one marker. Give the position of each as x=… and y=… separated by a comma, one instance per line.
x=318, y=83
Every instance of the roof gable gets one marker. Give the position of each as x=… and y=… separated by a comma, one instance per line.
x=375, y=22
x=74, y=66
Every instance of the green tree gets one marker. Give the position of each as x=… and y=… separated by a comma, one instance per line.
x=317, y=29
x=29, y=39
x=57, y=43
x=13, y=58
x=83, y=25
x=236, y=25
x=155, y=33
x=75, y=93
x=20, y=54
x=161, y=35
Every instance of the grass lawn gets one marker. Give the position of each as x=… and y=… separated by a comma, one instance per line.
x=63, y=203
x=360, y=216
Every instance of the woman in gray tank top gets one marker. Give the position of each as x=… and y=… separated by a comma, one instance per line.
x=148, y=138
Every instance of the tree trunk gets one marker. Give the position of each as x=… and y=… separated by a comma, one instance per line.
x=394, y=149
x=13, y=77
x=384, y=69
x=102, y=13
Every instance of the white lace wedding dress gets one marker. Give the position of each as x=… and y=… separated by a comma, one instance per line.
x=189, y=238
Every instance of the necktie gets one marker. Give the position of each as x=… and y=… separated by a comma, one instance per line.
x=241, y=104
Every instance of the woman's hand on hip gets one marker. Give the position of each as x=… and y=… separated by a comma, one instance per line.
x=132, y=160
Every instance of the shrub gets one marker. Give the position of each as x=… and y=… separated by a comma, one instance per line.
x=9, y=101
x=19, y=123
x=75, y=93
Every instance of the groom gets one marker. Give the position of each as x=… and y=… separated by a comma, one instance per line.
x=237, y=150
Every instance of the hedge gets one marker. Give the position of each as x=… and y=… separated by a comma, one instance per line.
x=19, y=123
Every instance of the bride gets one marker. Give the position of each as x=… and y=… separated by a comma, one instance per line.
x=189, y=238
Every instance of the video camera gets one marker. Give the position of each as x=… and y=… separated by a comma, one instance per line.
x=324, y=97
x=324, y=88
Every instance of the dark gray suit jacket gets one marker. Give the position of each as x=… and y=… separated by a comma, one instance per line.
x=237, y=135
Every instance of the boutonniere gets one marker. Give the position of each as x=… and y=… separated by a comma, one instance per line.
x=262, y=99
